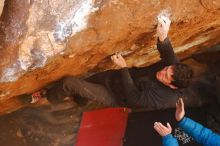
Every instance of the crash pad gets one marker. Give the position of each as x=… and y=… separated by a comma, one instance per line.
x=104, y=127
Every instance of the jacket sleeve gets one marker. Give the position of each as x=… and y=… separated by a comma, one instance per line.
x=169, y=140
x=131, y=91
x=201, y=134
x=167, y=54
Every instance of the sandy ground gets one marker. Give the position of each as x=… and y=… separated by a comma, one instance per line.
x=43, y=126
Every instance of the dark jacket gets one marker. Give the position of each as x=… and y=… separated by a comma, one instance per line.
x=147, y=91
x=200, y=134
x=138, y=87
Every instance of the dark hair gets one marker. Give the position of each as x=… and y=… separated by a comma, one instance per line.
x=182, y=75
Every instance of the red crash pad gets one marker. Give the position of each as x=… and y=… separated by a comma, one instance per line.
x=105, y=127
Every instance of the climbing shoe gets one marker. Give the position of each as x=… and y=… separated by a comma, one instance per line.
x=31, y=98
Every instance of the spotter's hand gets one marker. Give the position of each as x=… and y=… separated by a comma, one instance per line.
x=180, y=111
x=161, y=129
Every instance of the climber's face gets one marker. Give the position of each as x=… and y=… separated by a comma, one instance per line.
x=165, y=76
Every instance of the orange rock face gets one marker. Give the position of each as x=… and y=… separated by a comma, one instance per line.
x=42, y=41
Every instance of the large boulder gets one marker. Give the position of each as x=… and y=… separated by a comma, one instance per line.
x=42, y=41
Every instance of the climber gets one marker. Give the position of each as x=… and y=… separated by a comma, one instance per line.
x=122, y=87
x=199, y=133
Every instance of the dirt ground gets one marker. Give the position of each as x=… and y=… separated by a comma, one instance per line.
x=42, y=126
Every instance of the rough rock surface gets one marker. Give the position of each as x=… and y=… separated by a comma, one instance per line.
x=42, y=41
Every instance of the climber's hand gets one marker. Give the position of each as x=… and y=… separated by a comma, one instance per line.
x=119, y=60
x=163, y=27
